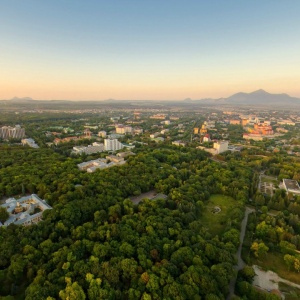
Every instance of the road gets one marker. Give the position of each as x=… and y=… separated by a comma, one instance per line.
x=240, y=263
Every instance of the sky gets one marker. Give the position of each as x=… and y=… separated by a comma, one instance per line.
x=148, y=50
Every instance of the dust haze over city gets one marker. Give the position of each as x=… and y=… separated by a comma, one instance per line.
x=149, y=150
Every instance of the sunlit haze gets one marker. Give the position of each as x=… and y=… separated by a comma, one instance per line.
x=95, y=50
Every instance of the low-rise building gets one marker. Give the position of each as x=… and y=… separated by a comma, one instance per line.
x=125, y=154
x=25, y=211
x=137, y=131
x=90, y=149
x=101, y=163
x=158, y=116
x=221, y=146
x=206, y=138
x=102, y=133
x=123, y=129
x=30, y=142
x=235, y=122
x=218, y=147
x=179, y=143
x=291, y=186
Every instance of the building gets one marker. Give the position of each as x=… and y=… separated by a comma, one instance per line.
x=100, y=163
x=235, y=122
x=263, y=129
x=158, y=116
x=102, y=134
x=90, y=149
x=121, y=129
x=179, y=143
x=164, y=131
x=286, y=122
x=8, y=132
x=25, y=211
x=112, y=145
x=115, y=158
x=203, y=129
x=206, y=138
x=154, y=135
x=125, y=154
x=291, y=186
x=66, y=140
x=30, y=142
x=221, y=146
x=138, y=131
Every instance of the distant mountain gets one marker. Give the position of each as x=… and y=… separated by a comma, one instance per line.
x=260, y=97
x=21, y=99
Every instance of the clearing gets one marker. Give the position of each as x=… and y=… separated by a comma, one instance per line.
x=215, y=222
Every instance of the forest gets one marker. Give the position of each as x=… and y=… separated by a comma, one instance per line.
x=96, y=244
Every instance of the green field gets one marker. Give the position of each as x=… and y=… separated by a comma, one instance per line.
x=274, y=262
x=269, y=179
x=290, y=293
x=216, y=222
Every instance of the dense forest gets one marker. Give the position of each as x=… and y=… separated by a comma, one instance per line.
x=96, y=244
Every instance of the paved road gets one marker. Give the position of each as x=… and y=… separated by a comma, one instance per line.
x=240, y=265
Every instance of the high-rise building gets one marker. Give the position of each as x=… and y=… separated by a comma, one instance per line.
x=8, y=132
x=112, y=145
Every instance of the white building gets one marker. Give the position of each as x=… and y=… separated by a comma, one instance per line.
x=30, y=142
x=221, y=146
x=138, y=131
x=112, y=145
x=206, y=138
x=90, y=149
x=166, y=122
x=179, y=143
x=25, y=211
x=154, y=135
x=8, y=132
x=291, y=186
x=164, y=131
x=102, y=134
x=100, y=163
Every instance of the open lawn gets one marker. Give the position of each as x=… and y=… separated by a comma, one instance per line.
x=274, y=262
x=269, y=179
x=216, y=222
x=290, y=293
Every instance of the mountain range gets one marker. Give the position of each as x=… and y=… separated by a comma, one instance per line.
x=256, y=98
x=259, y=97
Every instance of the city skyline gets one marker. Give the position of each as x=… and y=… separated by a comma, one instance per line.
x=136, y=50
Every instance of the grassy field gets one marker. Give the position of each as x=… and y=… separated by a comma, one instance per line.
x=269, y=179
x=274, y=262
x=216, y=222
x=290, y=293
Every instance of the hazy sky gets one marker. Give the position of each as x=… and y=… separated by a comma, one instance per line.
x=148, y=49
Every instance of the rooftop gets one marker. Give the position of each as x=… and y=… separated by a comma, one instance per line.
x=291, y=184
